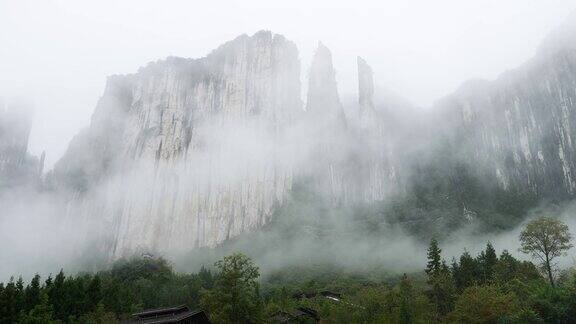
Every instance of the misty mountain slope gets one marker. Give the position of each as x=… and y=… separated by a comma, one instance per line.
x=184, y=153
x=493, y=150
x=518, y=131
x=189, y=153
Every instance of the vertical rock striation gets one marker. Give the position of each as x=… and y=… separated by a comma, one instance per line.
x=379, y=172
x=164, y=162
x=188, y=153
x=519, y=130
x=367, y=112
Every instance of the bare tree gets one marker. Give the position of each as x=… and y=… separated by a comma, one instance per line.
x=545, y=239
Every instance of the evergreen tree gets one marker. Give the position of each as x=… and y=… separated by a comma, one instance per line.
x=9, y=307
x=467, y=272
x=48, y=283
x=434, y=265
x=32, y=293
x=206, y=278
x=57, y=296
x=508, y=268
x=20, y=297
x=40, y=314
x=439, y=279
x=94, y=292
x=487, y=261
x=406, y=293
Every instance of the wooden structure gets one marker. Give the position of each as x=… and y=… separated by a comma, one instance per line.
x=179, y=314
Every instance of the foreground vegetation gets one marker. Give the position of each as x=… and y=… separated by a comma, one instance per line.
x=486, y=288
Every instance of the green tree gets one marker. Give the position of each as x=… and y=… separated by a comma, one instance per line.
x=32, y=293
x=206, y=278
x=545, y=239
x=98, y=316
x=57, y=295
x=20, y=300
x=40, y=314
x=406, y=295
x=483, y=304
x=508, y=268
x=434, y=265
x=466, y=274
x=94, y=292
x=487, y=261
x=9, y=302
x=440, y=280
x=235, y=297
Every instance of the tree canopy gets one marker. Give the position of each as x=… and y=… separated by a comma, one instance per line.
x=545, y=239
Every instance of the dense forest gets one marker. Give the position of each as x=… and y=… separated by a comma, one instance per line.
x=490, y=287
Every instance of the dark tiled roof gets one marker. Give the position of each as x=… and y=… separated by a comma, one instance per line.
x=170, y=319
x=162, y=311
x=169, y=315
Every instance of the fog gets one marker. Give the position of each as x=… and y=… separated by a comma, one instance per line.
x=60, y=52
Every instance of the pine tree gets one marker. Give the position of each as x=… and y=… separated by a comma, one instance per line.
x=57, y=295
x=434, y=266
x=40, y=314
x=32, y=294
x=441, y=290
x=19, y=298
x=94, y=292
x=9, y=307
x=406, y=294
x=487, y=261
x=468, y=272
x=206, y=278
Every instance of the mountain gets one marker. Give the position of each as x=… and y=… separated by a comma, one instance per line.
x=518, y=131
x=184, y=153
x=188, y=153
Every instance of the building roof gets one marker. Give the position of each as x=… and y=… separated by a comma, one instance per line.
x=175, y=314
x=161, y=311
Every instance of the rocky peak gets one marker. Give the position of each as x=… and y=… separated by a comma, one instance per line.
x=17, y=166
x=366, y=94
x=323, y=99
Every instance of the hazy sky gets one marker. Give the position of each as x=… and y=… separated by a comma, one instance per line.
x=59, y=52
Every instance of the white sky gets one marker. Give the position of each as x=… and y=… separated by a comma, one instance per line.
x=59, y=52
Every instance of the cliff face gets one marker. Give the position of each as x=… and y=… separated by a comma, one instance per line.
x=519, y=130
x=163, y=160
x=191, y=152
x=17, y=166
x=349, y=156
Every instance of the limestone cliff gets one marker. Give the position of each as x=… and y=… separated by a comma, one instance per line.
x=188, y=153
x=519, y=130
x=183, y=153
